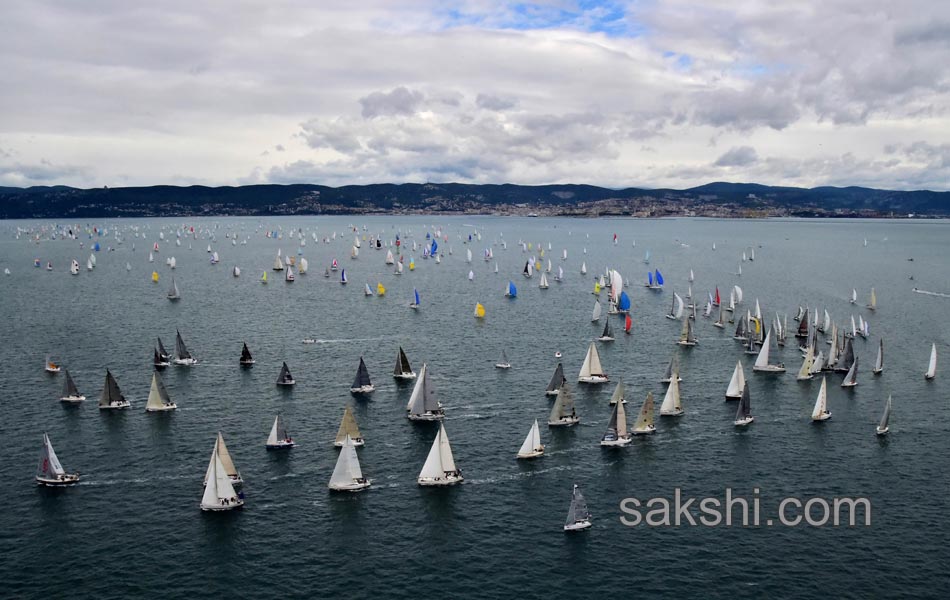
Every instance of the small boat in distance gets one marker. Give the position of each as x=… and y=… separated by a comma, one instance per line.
x=532, y=446
x=616, y=434
x=883, y=427
x=423, y=405
x=563, y=413
x=162, y=358
x=246, y=359
x=821, y=412
x=440, y=468
x=879, y=361
x=578, y=517
x=111, y=395
x=362, y=383
x=644, y=424
x=592, y=371
x=50, y=366
x=415, y=300
x=348, y=429
x=173, y=293
x=557, y=380
x=932, y=365
x=347, y=475
x=744, y=412
x=403, y=370
x=503, y=363
x=285, y=378
x=736, y=384
x=49, y=471
x=219, y=494
x=225, y=457
x=279, y=439
x=70, y=392
x=158, y=400
x=183, y=358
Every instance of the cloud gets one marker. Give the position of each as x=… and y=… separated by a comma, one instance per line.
x=490, y=102
x=740, y=156
x=400, y=101
x=42, y=173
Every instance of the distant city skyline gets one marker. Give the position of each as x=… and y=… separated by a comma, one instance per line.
x=667, y=93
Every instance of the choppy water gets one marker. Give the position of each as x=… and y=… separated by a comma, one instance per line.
x=133, y=527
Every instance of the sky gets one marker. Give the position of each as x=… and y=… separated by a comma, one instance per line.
x=617, y=93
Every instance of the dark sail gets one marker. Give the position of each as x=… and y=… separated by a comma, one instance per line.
x=285, y=378
x=69, y=388
x=162, y=352
x=402, y=364
x=110, y=392
x=557, y=380
x=180, y=348
x=847, y=357
x=246, y=355
x=362, y=376
x=803, y=326
x=745, y=404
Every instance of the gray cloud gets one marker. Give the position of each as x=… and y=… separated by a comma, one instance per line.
x=490, y=102
x=400, y=101
x=42, y=173
x=740, y=156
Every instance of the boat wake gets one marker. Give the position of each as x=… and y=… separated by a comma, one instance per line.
x=942, y=295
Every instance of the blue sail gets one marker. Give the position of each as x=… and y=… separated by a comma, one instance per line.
x=343, y=275
x=416, y=292
x=659, y=278
x=434, y=248
x=512, y=290
x=624, y=303
x=96, y=247
x=649, y=278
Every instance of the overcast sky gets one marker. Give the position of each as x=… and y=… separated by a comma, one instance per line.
x=652, y=93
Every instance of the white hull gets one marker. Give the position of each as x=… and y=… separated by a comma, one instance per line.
x=579, y=526
x=64, y=480
x=287, y=383
x=551, y=393
x=72, y=398
x=366, y=389
x=877, y=371
x=502, y=365
x=649, y=431
x=427, y=416
x=847, y=384
x=619, y=442
x=672, y=413
x=883, y=431
x=804, y=377
x=439, y=481
x=605, y=338
x=533, y=454
x=685, y=343
x=822, y=417
x=357, y=442
x=247, y=363
x=52, y=369
x=356, y=486
x=185, y=362
x=405, y=376
x=564, y=422
x=743, y=422
x=164, y=408
x=593, y=379
x=280, y=445
x=729, y=398
x=769, y=369
x=220, y=507
x=116, y=405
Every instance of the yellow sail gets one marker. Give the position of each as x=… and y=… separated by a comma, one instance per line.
x=155, y=276
x=479, y=311
x=597, y=287
x=537, y=265
x=412, y=265
x=380, y=290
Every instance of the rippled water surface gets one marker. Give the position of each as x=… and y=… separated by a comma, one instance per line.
x=133, y=526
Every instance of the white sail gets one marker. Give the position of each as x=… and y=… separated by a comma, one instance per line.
x=932, y=366
x=347, y=474
x=158, y=396
x=805, y=371
x=879, y=361
x=736, y=383
x=440, y=464
x=221, y=451
x=532, y=443
x=591, y=367
x=219, y=493
x=595, y=316
x=672, y=404
x=820, y=412
x=762, y=360
x=272, y=437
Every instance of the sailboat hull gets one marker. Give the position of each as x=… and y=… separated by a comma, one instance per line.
x=222, y=507
x=280, y=445
x=426, y=416
x=605, y=338
x=648, y=431
x=439, y=481
x=356, y=486
x=821, y=417
x=743, y=422
x=356, y=442
x=769, y=369
x=366, y=389
x=615, y=443
x=165, y=407
x=579, y=526
x=410, y=375
x=72, y=398
x=593, y=379
x=116, y=405
x=502, y=365
x=882, y=431
x=564, y=422
x=185, y=362
x=532, y=454
x=672, y=413
x=287, y=383
x=62, y=481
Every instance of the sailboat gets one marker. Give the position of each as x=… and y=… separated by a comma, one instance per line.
x=932, y=366
x=289, y=275
x=423, y=405
x=627, y=324
x=557, y=380
x=278, y=263
x=687, y=336
x=805, y=372
x=183, y=356
x=544, y=281
x=347, y=475
x=161, y=356
x=578, y=517
x=173, y=293
x=285, y=378
x=511, y=291
x=879, y=361
x=563, y=413
x=851, y=379
x=70, y=391
x=49, y=471
x=744, y=412
x=672, y=405
x=111, y=395
x=883, y=427
x=380, y=290
x=854, y=296
x=736, y=383
x=304, y=266
x=608, y=334
x=676, y=308
x=343, y=276
x=584, y=268
x=264, y=278
x=671, y=368
x=617, y=396
x=348, y=429
x=362, y=383
x=503, y=363
x=479, y=311
x=225, y=457
x=820, y=412
x=50, y=366
x=872, y=305
x=595, y=315
x=74, y=267
x=246, y=359
x=762, y=360
x=591, y=370
x=415, y=300
x=219, y=491
x=532, y=446
x=402, y=370
x=616, y=434
x=279, y=439
x=158, y=400
x=439, y=468
x=644, y=424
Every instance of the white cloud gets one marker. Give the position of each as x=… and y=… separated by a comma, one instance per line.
x=476, y=90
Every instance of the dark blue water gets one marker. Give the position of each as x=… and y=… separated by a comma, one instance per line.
x=133, y=526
